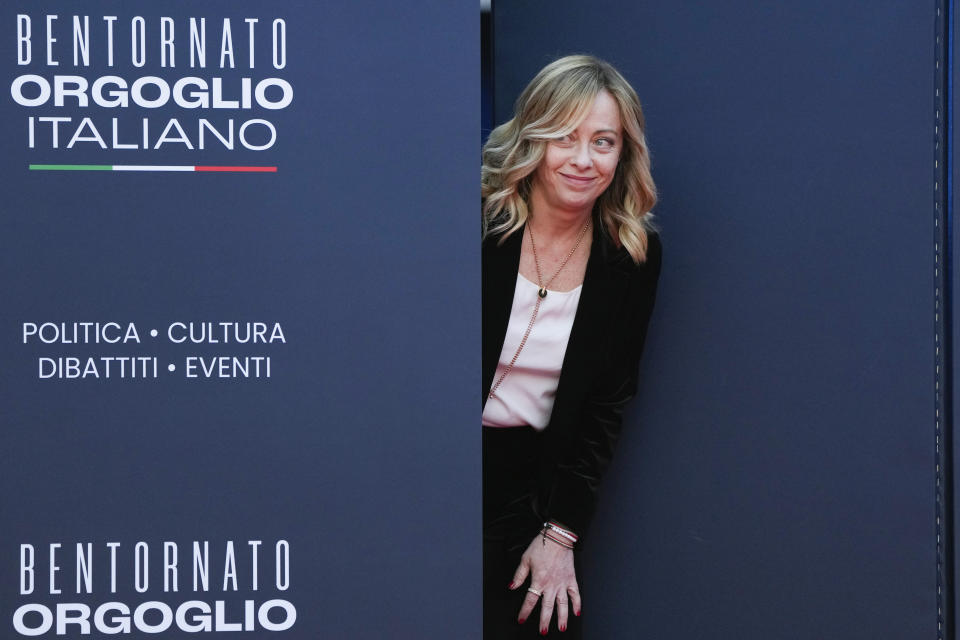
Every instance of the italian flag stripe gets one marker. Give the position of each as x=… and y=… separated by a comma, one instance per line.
x=149, y=167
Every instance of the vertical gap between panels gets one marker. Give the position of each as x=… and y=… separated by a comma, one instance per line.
x=486, y=71
x=943, y=389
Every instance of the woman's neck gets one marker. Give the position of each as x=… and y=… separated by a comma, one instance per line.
x=553, y=224
x=556, y=229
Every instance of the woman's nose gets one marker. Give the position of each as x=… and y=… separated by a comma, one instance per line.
x=581, y=157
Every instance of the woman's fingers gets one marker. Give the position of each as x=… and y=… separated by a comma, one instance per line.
x=574, y=592
x=520, y=575
x=551, y=600
x=562, y=600
x=529, y=602
x=546, y=609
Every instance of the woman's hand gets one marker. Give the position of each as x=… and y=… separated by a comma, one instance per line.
x=550, y=567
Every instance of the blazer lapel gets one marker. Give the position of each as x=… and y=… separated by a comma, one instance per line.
x=602, y=292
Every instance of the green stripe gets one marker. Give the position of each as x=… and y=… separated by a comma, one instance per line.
x=71, y=167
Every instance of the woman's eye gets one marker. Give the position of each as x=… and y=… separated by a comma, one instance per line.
x=604, y=142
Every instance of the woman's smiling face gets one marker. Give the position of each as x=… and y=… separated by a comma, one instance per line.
x=579, y=167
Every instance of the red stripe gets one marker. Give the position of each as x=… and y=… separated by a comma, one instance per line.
x=208, y=168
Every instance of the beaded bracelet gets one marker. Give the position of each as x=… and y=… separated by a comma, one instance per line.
x=561, y=536
x=548, y=535
x=569, y=535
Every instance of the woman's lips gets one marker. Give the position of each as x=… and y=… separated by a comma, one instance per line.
x=577, y=180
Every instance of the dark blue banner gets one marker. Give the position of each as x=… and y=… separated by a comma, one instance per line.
x=240, y=323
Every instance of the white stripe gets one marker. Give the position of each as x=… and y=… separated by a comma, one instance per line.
x=153, y=167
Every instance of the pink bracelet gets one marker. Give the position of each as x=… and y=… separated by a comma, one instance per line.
x=548, y=534
x=569, y=535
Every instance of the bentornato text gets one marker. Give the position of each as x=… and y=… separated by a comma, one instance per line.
x=250, y=567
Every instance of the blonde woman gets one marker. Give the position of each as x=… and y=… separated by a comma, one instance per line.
x=570, y=269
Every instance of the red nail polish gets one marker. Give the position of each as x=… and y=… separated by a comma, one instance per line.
x=563, y=627
x=543, y=632
x=577, y=613
x=511, y=586
x=521, y=620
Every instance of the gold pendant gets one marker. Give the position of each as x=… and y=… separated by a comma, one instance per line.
x=542, y=293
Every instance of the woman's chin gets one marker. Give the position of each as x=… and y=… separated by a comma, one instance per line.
x=579, y=204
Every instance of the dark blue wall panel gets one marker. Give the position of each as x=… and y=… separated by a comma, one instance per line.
x=777, y=477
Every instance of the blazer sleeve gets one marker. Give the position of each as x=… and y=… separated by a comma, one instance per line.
x=573, y=492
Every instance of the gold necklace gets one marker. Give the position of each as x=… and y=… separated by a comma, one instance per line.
x=543, y=287
x=541, y=294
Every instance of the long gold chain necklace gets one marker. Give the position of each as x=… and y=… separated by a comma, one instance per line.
x=541, y=294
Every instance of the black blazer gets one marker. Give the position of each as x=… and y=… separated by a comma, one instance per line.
x=599, y=373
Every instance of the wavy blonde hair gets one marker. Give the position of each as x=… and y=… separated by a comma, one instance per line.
x=551, y=106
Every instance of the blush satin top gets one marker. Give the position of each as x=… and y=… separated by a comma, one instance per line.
x=525, y=397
